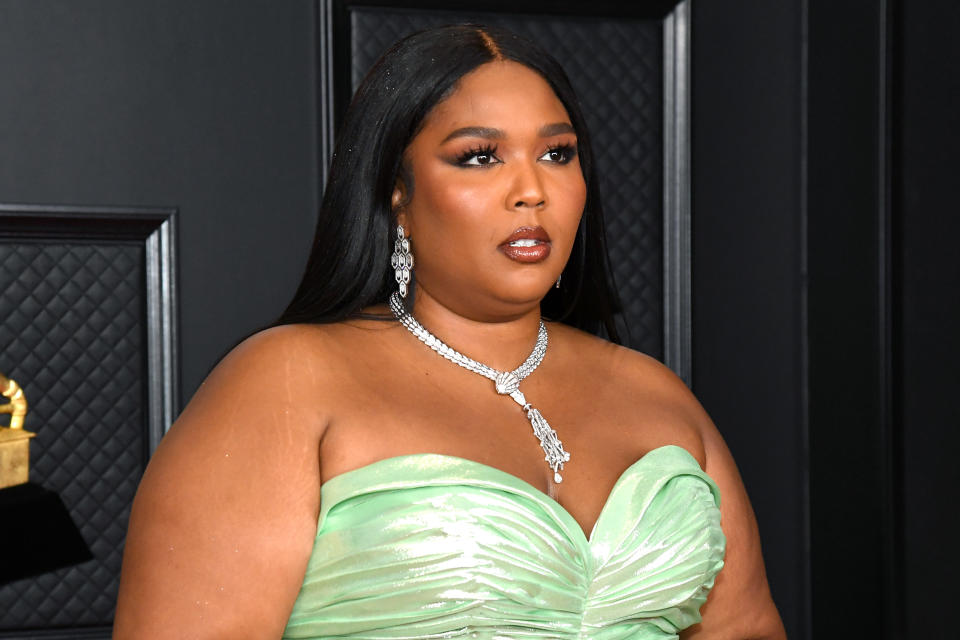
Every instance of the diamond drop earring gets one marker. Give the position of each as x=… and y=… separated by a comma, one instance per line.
x=557, y=286
x=402, y=261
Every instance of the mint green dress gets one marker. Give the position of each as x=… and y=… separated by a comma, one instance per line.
x=434, y=546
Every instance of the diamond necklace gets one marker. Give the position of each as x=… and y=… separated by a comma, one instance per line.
x=506, y=382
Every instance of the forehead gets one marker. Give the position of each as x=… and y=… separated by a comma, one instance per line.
x=504, y=94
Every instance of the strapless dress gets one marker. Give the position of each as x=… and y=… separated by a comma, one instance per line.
x=434, y=546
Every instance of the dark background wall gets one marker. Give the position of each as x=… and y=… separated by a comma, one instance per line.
x=825, y=307
x=206, y=106
x=926, y=226
x=747, y=358
x=824, y=271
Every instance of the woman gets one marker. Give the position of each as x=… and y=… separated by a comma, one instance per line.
x=336, y=477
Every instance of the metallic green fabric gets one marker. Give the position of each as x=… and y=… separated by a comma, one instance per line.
x=433, y=546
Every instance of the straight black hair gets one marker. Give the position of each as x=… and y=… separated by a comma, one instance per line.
x=349, y=265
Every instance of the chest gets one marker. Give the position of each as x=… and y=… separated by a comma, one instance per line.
x=393, y=398
x=452, y=411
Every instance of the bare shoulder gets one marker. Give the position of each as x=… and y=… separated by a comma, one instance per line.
x=649, y=396
x=223, y=522
x=287, y=352
x=632, y=367
x=276, y=375
x=296, y=368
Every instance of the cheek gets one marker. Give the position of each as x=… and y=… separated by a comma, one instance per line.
x=443, y=205
x=578, y=186
x=573, y=196
x=579, y=196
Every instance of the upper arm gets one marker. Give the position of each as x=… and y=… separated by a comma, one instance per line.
x=739, y=607
x=224, y=520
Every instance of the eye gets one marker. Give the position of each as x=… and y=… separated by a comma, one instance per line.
x=560, y=154
x=479, y=157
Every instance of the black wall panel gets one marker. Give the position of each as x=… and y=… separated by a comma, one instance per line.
x=747, y=284
x=926, y=129
x=73, y=335
x=848, y=225
x=88, y=338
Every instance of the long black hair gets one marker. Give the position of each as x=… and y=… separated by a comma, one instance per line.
x=349, y=265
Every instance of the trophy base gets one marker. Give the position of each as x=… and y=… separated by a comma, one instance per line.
x=39, y=533
x=14, y=456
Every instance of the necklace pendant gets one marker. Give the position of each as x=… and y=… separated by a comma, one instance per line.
x=506, y=382
x=549, y=442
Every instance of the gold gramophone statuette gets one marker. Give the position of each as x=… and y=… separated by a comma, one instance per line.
x=14, y=440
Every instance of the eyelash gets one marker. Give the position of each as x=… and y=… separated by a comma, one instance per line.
x=485, y=150
x=567, y=151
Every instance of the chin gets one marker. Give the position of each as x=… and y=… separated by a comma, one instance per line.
x=525, y=294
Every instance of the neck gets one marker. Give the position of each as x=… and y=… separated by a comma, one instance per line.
x=501, y=342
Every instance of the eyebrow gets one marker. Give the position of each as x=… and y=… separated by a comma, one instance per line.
x=556, y=129
x=491, y=133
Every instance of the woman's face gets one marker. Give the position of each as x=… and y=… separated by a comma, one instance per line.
x=497, y=193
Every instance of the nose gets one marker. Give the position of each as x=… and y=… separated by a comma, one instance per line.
x=526, y=188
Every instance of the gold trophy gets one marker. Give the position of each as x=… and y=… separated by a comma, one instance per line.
x=14, y=440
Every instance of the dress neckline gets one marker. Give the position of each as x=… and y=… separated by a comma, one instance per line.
x=472, y=472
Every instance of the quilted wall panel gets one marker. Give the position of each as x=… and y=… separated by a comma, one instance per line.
x=616, y=67
x=71, y=333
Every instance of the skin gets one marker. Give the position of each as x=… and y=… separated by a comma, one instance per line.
x=225, y=518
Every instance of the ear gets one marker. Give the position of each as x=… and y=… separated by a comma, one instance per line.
x=397, y=201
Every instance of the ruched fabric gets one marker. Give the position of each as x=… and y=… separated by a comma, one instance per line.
x=434, y=546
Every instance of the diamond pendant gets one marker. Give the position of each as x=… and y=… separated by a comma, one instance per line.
x=507, y=384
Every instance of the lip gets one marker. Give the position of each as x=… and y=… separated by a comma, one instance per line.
x=527, y=244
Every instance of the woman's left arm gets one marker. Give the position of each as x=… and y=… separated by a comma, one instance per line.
x=739, y=606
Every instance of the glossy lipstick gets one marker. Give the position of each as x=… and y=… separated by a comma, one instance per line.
x=527, y=244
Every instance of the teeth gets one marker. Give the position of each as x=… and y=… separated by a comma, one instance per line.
x=524, y=243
